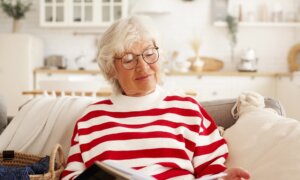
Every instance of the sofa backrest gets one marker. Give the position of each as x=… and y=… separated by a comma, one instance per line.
x=220, y=110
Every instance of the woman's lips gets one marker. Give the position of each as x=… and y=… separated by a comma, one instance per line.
x=143, y=77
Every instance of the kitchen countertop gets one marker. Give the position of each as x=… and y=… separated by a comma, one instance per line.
x=202, y=73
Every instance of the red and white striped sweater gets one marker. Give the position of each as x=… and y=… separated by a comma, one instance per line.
x=165, y=136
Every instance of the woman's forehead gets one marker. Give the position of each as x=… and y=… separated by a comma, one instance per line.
x=136, y=45
x=139, y=44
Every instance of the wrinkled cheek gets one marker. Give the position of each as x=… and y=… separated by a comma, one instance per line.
x=157, y=77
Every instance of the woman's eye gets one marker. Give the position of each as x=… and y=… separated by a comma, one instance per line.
x=128, y=58
x=148, y=53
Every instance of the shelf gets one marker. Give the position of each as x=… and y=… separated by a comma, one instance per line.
x=261, y=24
x=69, y=93
x=230, y=73
x=215, y=73
x=65, y=71
x=77, y=25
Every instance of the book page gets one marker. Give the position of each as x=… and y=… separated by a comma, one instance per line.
x=132, y=173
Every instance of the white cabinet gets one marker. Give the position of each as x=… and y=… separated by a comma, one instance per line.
x=81, y=13
x=68, y=80
x=288, y=92
x=220, y=87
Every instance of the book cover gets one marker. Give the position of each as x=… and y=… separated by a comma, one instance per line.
x=111, y=171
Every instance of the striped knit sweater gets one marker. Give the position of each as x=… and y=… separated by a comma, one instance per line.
x=165, y=136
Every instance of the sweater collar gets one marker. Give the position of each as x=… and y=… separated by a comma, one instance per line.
x=141, y=102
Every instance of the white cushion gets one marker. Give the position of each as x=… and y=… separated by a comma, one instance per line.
x=266, y=144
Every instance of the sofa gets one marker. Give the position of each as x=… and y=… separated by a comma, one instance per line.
x=220, y=110
x=260, y=139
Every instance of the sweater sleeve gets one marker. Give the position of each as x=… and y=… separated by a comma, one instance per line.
x=75, y=164
x=211, y=149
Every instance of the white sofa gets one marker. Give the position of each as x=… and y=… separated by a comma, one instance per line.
x=261, y=141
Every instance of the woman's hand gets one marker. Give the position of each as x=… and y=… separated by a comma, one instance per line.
x=236, y=174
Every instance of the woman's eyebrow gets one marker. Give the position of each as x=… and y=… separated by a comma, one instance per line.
x=149, y=46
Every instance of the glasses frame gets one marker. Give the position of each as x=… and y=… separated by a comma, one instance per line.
x=136, y=58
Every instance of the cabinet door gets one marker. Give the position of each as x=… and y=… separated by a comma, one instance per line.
x=53, y=12
x=207, y=88
x=81, y=13
x=266, y=86
x=70, y=82
x=221, y=87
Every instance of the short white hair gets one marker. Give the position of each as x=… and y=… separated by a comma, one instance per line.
x=118, y=38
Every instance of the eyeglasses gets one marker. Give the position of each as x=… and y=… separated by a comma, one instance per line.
x=130, y=60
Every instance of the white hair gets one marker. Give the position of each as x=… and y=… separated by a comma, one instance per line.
x=118, y=38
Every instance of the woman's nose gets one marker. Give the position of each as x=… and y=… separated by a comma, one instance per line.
x=141, y=64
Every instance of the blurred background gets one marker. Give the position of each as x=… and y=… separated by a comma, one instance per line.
x=213, y=49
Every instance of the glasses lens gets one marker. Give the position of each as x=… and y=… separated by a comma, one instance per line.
x=150, y=55
x=129, y=61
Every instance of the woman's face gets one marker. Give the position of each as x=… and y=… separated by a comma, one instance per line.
x=140, y=80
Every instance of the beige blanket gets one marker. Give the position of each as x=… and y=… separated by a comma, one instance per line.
x=42, y=123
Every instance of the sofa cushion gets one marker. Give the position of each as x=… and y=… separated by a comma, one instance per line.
x=265, y=144
x=220, y=110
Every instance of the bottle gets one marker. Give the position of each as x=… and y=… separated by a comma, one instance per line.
x=240, y=18
x=277, y=12
x=263, y=13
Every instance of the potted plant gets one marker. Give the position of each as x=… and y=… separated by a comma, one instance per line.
x=232, y=27
x=15, y=9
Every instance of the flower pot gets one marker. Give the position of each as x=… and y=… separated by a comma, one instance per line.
x=16, y=26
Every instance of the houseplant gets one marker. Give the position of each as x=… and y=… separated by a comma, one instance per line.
x=232, y=27
x=15, y=9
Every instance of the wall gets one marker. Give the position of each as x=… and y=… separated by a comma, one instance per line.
x=186, y=21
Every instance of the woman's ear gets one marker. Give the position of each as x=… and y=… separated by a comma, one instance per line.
x=115, y=75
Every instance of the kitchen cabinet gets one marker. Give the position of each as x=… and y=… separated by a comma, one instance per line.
x=205, y=85
x=81, y=13
x=288, y=92
x=220, y=87
x=69, y=80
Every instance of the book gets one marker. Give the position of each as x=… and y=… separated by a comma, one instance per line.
x=111, y=171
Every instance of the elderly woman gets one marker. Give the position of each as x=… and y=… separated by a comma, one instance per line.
x=141, y=126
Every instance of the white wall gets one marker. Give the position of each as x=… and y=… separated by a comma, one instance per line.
x=186, y=21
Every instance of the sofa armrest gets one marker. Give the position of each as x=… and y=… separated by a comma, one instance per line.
x=220, y=110
x=3, y=115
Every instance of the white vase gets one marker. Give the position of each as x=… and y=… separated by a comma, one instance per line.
x=197, y=64
x=16, y=26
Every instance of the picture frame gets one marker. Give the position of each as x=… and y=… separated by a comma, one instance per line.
x=294, y=58
x=219, y=10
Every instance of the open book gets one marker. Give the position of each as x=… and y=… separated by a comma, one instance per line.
x=111, y=171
